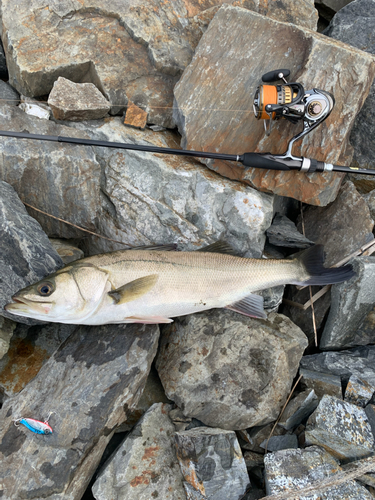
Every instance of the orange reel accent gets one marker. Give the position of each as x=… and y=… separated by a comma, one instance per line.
x=267, y=95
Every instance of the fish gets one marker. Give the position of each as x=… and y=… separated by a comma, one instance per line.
x=153, y=286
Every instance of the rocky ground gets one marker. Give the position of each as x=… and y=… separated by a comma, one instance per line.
x=216, y=405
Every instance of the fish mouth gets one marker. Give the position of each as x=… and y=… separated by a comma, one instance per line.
x=21, y=305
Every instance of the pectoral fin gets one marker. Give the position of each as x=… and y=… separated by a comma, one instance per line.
x=133, y=290
x=252, y=305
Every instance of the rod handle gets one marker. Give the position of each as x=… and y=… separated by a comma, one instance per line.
x=257, y=160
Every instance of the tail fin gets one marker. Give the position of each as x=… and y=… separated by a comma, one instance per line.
x=312, y=260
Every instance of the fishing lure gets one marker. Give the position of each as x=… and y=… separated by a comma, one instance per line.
x=34, y=425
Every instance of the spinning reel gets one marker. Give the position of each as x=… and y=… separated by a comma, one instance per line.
x=292, y=102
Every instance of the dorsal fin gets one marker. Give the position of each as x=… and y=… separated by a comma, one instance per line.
x=219, y=247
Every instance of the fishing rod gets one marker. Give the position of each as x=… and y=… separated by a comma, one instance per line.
x=285, y=100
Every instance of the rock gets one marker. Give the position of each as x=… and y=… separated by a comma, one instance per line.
x=68, y=253
x=8, y=94
x=213, y=83
x=26, y=254
x=145, y=465
x=298, y=409
x=357, y=361
x=256, y=435
x=358, y=391
x=154, y=198
x=272, y=297
x=153, y=393
x=341, y=428
x=370, y=414
x=330, y=7
x=6, y=331
x=218, y=366
x=342, y=227
x=135, y=117
x=321, y=383
x=30, y=348
x=60, y=179
x=89, y=383
x=285, y=442
x=370, y=200
x=130, y=51
x=345, y=27
x=303, y=317
x=299, y=469
x=352, y=302
x=77, y=101
x=283, y=233
x=212, y=464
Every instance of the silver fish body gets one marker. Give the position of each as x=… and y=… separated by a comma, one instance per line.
x=147, y=286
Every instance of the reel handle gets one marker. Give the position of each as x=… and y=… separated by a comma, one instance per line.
x=277, y=74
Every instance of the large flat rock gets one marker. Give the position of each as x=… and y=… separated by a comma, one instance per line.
x=89, y=383
x=218, y=87
x=130, y=50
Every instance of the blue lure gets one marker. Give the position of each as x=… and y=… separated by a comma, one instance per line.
x=36, y=426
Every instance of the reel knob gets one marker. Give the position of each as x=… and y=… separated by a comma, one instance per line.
x=277, y=74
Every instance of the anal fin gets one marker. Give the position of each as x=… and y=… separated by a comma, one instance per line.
x=252, y=306
x=150, y=320
x=134, y=289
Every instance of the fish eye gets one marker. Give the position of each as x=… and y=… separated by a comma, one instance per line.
x=45, y=289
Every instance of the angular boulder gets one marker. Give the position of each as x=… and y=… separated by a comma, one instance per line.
x=351, y=303
x=218, y=87
x=342, y=428
x=77, y=101
x=228, y=370
x=89, y=384
x=144, y=466
x=212, y=464
x=26, y=254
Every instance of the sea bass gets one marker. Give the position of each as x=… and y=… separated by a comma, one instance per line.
x=153, y=286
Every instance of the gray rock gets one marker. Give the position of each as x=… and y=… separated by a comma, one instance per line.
x=26, y=255
x=342, y=227
x=358, y=391
x=351, y=303
x=89, y=383
x=213, y=82
x=284, y=233
x=253, y=437
x=6, y=331
x=359, y=361
x=370, y=200
x=30, y=348
x=152, y=198
x=299, y=469
x=285, y=442
x=341, y=428
x=354, y=25
x=370, y=414
x=228, y=370
x=60, y=179
x=67, y=251
x=8, y=94
x=145, y=465
x=253, y=459
x=272, y=297
x=77, y=101
x=298, y=409
x=152, y=394
x=212, y=464
x=321, y=383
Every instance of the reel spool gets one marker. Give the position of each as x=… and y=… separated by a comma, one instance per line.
x=290, y=101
